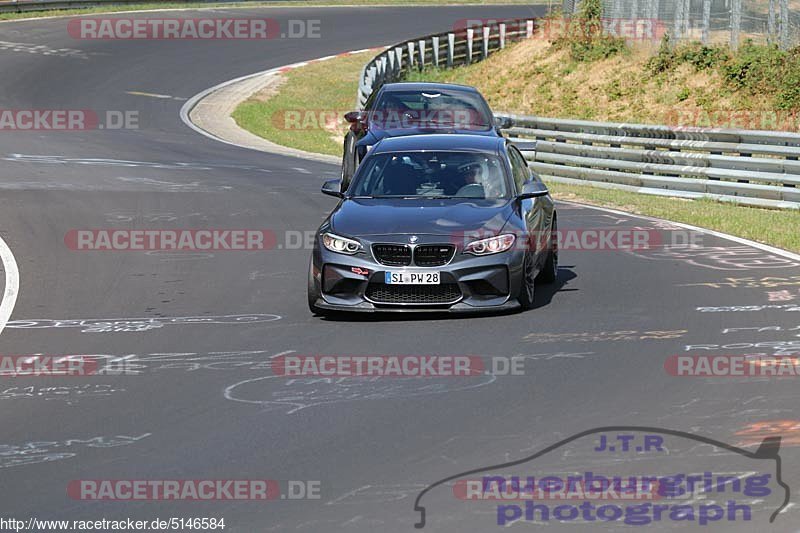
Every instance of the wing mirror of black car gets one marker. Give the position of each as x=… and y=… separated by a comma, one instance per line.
x=357, y=120
x=333, y=188
x=533, y=189
x=503, y=122
x=354, y=116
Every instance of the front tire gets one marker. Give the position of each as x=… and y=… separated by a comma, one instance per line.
x=348, y=159
x=527, y=284
x=549, y=272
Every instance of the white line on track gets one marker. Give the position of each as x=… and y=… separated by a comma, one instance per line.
x=740, y=240
x=12, y=284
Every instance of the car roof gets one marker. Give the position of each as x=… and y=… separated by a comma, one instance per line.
x=440, y=142
x=427, y=86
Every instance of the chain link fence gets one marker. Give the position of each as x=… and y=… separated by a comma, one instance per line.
x=712, y=21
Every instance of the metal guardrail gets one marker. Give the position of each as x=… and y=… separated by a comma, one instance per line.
x=458, y=47
x=750, y=167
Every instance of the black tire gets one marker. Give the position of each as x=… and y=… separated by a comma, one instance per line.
x=549, y=272
x=527, y=285
x=348, y=156
x=349, y=160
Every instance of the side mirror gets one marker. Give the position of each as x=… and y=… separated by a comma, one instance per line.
x=354, y=116
x=357, y=120
x=503, y=122
x=333, y=188
x=533, y=189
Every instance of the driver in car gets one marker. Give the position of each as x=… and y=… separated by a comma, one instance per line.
x=469, y=181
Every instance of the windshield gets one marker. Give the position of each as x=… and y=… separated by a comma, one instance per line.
x=410, y=109
x=431, y=174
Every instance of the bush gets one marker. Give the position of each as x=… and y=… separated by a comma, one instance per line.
x=702, y=57
x=664, y=60
x=755, y=66
x=584, y=35
x=789, y=90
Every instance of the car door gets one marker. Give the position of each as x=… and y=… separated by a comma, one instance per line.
x=537, y=212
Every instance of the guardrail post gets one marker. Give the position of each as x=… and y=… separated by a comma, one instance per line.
x=771, y=22
x=653, y=9
x=421, y=54
x=435, y=49
x=486, y=31
x=451, y=49
x=410, y=45
x=382, y=68
x=706, y=20
x=785, y=43
x=470, y=38
x=528, y=29
x=736, y=22
x=392, y=68
x=502, y=35
x=398, y=52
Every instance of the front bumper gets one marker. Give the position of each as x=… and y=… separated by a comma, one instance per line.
x=467, y=284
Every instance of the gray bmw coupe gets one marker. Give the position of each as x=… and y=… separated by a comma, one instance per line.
x=435, y=222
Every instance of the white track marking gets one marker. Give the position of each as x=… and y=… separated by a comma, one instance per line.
x=740, y=240
x=12, y=284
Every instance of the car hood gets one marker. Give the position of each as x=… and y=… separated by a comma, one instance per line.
x=393, y=216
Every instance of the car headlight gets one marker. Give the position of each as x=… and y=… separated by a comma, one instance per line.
x=492, y=245
x=340, y=245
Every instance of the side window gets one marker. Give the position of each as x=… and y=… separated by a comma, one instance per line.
x=371, y=99
x=519, y=167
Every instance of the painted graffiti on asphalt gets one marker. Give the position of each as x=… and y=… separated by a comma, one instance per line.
x=34, y=452
x=718, y=257
x=749, y=283
x=604, y=336
x=115, y=325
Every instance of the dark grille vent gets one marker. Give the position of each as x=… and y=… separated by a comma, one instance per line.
x=445, y=293
x=428, y=255
x=392, y=254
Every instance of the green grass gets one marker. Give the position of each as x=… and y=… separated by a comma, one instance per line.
x=331, y=85
x=287, y=3
x=316, y=92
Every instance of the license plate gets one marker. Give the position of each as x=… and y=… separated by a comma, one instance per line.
x=406, y=277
